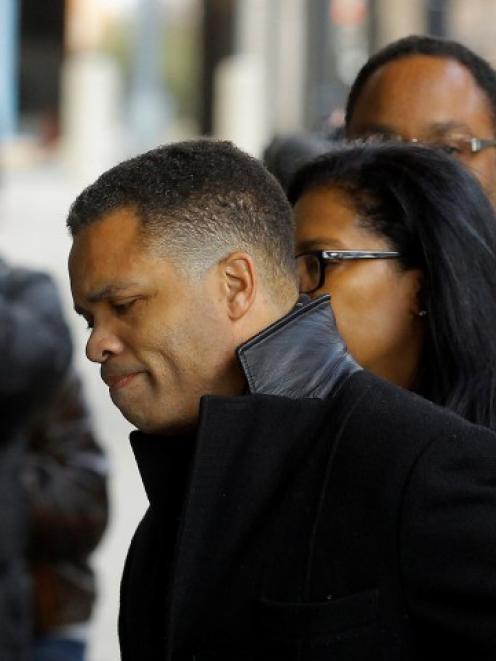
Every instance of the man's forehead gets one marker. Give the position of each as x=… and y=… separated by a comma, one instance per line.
x=117, y=226
x=104, y=254
x=424, y=90
x=423, y=70
x=114, y=239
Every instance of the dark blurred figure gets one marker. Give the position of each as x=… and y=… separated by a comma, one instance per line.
x=35, y=352
x=52, y=477
x=66, y=478
x=285, y=154
x=434, y=91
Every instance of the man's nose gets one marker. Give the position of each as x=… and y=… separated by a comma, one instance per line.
x=102, y=344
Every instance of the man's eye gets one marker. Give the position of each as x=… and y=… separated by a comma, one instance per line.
x=89, y=323
x=449, y=147
x=122, y=308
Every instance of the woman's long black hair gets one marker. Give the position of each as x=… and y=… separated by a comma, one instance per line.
x=436, y=215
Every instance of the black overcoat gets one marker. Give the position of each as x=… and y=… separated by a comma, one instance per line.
x=328, y=515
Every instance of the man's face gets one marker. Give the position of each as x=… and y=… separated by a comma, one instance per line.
x=161, y=339
x=432, y=99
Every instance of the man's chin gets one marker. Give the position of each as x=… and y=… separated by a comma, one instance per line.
x=142, y=422
x=148, y=423
x=136, y=419
x=131, y=412
x=161, y=427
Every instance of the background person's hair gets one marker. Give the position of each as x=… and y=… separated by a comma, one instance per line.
x=482, y=72
x=196, y=202
x=436, y=215
x=287, y=153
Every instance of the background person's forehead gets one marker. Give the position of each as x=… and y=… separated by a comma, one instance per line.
x=420, y=88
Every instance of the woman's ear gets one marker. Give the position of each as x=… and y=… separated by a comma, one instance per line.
x=239, y=283
x=415, y=285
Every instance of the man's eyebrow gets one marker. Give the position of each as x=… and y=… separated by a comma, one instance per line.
x=110, y=290
x=443, y=127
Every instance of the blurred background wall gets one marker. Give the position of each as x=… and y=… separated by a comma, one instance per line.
x=155, y=70
x=85, y=83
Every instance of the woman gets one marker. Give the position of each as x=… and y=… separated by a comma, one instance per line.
x=404, y=240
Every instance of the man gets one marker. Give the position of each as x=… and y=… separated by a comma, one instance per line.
x=433, y=91
x=300, y=508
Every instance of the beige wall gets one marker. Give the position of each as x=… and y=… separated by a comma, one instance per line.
x=473, y=23
x=399, y=18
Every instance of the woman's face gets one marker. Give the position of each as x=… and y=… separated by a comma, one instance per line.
x=375, y=302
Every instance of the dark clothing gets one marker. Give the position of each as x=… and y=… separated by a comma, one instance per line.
x=35, y=351
x=160, y=526
x=339, y=518
x=59, y=649
x=35, y=344
x=65, y=474
x=285, y=154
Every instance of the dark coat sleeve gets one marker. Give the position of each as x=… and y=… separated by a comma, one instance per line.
x=66, y=477
x=448, y=541
x=35, y=344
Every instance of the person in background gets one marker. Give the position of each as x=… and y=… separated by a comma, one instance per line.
x=404, y=240
x=35, y=353
x=300, y=507
x=53, y=478
x=433, y=91
x=65, y=475
x=285, y=154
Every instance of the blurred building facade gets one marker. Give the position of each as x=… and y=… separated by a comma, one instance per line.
x=241, y=69
x=309, y=51
x=94, y=80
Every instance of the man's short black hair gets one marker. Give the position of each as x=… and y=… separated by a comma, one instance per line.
x=197, y=201
x=482, y=72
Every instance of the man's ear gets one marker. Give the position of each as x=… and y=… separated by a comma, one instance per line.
x=239, y=283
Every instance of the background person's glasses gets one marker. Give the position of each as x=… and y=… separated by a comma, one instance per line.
x=311, y=265
x=460, y=145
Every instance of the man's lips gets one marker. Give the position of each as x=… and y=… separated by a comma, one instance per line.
x=117, y=381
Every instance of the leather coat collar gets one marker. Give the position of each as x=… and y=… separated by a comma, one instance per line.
x=301, y=355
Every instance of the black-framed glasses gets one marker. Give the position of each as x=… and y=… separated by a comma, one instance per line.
x=311, y=265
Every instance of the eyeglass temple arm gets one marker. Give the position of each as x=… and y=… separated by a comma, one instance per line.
x=359, y=254
x=476, y=144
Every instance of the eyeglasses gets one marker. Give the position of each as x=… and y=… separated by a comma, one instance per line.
x=457, y=145
x=311, y=265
